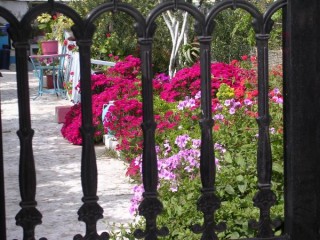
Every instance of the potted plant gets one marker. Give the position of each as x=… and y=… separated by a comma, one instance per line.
x=54, y=27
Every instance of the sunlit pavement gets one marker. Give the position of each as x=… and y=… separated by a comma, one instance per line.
x=57, y=163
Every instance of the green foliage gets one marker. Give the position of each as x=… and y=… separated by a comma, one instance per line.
x=232, y=36
x=109, y=38
x=54, y=25
x=275, y=41
x=123, y=40
x=45, y=22
x=236, y=180
x=225, y=92
x=189, y=54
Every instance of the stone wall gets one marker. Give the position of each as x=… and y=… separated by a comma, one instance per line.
x=275, y=57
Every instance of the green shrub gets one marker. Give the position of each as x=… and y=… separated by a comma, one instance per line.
x=235, y=131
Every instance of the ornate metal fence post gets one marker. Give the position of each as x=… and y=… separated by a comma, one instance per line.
x=208, y=203
x=302, y=114
x=150, y=207
x=28, y=217
x=90, y=212
x=265, y=197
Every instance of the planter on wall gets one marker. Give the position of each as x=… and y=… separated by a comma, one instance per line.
x=49, y=47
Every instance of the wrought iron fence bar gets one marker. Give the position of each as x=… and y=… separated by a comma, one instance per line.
x=207, y=167
x=208, y=202
x=265, y=197
x=28, y=217
x=149, y=164
x=151, y=206
x=264, y=163
x=90, y=212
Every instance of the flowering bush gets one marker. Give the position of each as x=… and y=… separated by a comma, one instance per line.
x=174, y=167
x=70, y=45
x=54, y=25
x=107, y=87
x=236, y=131
x=67, y=85
x=187, y=81
x=178, y=164
x=177, y=112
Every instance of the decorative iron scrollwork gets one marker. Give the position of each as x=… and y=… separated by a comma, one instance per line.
x=115, y=5
x=175, y=2
x=90, y=212
x=264, y=200
x=208, y=203
x=234, y=4
x=28, y=218
x=150, y=208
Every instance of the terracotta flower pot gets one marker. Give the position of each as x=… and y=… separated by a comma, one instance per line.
x=50, y=84
x=49, y=47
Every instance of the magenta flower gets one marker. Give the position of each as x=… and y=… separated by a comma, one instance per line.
x=247, y=102
x=232, y=111
x=182, y=141
x=227, y=103
x=218, y=117
x=198, y=95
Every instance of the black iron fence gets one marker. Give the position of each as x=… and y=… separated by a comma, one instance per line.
x=90, y=212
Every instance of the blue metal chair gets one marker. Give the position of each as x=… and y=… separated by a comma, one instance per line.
x=54, y=63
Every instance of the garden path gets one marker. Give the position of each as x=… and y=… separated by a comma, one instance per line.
x=58, y=170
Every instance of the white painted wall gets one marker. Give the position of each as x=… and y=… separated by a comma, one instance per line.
x=16, y=8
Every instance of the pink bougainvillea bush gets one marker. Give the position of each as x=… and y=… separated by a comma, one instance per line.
x=122, y=85
x=176, y=103
x=186, y=82
x=177, y=114
x=235, y=134
x=119, y=82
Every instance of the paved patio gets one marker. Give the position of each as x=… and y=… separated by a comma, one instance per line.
x=57, y=163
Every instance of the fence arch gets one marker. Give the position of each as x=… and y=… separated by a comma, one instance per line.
x=50, y=6
x=174, y=5
x=233, y=4
x=119, y=6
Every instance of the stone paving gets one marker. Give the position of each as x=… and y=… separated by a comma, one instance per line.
x=57, y=163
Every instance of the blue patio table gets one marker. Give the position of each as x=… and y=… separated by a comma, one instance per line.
x=53, y=63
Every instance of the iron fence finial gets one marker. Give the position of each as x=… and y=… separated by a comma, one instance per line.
x=175, y=5
x=51, y=3
x=234, y=4
x=115, y=5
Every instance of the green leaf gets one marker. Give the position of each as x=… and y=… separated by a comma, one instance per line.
x=228, y=157
x=190, y=196
x=240, y=161
x=242, y=188
x=239, y=178
x=277, y=167
x=234, y=235
x=229, y=189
